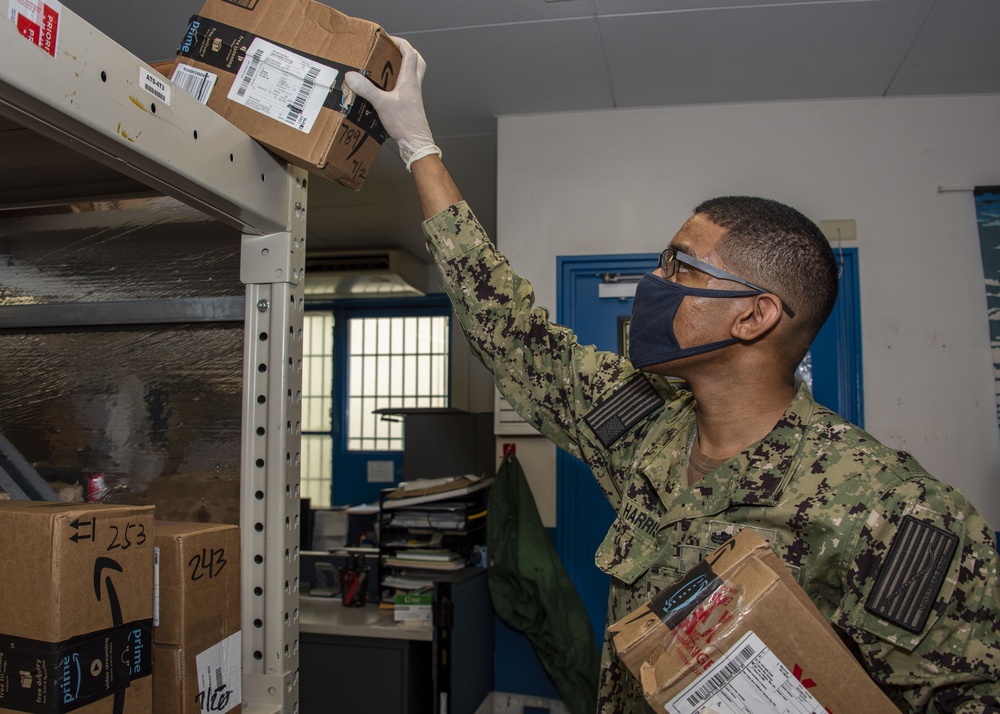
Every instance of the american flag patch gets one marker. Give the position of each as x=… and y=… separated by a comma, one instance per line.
x=611, y=418
x=912, y=575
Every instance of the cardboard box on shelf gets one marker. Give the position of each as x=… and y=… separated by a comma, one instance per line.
x=739, y=622
x=76, y=587
x=275, y=69
x=197, y=657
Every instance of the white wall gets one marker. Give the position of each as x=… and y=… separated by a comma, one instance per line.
x=624, y=181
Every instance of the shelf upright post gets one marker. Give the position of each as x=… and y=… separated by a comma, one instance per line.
x=272, y=268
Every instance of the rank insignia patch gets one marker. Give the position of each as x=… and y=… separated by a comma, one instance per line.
x=912, y=574
x=628, y=405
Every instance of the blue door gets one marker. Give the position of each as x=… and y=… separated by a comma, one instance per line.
x=582, y=512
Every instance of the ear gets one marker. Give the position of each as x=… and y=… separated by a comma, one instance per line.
x=758, y=319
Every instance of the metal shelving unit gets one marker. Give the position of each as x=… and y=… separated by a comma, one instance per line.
x=88, y=105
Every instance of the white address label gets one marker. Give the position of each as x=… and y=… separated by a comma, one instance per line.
x=282, y=85
x=196, y=82
x=219, y=671
x=748, y=679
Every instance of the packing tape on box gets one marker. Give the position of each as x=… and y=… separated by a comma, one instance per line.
x=55, y=677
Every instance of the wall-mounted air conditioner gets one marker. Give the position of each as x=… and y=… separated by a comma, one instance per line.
x=364, y=274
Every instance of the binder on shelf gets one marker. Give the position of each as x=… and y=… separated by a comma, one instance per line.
x=430, y=529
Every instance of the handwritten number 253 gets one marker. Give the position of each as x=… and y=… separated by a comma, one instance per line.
x=125, y=538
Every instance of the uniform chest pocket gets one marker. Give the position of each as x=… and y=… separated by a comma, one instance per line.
x=626, y=552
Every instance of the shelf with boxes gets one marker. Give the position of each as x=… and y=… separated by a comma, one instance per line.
x=428, y=528
x=89, y=108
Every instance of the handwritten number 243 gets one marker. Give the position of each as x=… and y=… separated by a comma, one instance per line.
x=208, y=563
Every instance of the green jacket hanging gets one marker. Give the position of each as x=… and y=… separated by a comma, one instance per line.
x=533, y=594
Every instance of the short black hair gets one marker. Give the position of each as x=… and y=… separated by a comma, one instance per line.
x=777, y=247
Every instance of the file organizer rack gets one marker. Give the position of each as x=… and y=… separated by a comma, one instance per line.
x=89, y=97
x=401, y=529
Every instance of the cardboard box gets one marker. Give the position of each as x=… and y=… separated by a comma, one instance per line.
x=76, y=587
x=736, y=625
x=275, y=69
x=197, y=657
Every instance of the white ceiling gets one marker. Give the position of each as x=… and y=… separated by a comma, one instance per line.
x=488, y=58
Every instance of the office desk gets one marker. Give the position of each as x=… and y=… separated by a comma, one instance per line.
x=358, y=659
x=327, y=616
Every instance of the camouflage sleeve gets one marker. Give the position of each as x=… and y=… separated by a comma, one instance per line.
x=539, y=367
x=922, y=600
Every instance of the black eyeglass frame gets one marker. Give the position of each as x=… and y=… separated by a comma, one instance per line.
x=671, y=256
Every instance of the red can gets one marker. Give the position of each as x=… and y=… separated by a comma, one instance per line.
x=96, y=488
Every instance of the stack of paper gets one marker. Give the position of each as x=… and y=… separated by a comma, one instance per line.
x=433, y=516
x=412, y=493
x=424, y=559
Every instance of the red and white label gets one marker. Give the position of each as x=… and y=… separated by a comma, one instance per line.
x=38, y=21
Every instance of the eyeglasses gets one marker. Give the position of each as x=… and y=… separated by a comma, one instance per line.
x=671, y=257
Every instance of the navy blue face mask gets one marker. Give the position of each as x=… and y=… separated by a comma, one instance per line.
x=651, y=338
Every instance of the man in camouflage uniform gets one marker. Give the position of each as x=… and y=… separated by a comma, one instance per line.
x=900, y=564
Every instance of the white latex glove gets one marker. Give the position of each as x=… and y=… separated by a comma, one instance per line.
x=401, y=111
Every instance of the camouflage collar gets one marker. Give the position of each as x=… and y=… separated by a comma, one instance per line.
x=760, y=473
x=755, y=477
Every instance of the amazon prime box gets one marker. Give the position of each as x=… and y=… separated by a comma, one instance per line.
x=197, y=649
x=739, y=628
x=275, y=69
x=76, y=607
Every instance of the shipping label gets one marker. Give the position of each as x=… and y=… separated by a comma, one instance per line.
x=196, y=82
x=282, y=85
x=38, y=21
x=219, y=672
x=747, y=679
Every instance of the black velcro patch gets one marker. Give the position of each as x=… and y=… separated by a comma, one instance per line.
x=612, y=417
x=912, y=575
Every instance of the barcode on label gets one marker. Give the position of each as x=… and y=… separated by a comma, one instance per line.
x=218, y=678
x=250, y=72
x=245, y=4
x=296, y=107
x=749, y=677
x=155, y=92
x=721, y=678
x=282, y=85
x=196, y=82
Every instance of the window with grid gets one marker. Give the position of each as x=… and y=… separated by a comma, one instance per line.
x=393, y=362
x=360, y=356
x=317, y=407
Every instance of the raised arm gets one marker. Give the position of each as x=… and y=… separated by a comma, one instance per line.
x=551, y=381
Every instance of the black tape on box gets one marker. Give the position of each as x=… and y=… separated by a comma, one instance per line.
x=55, y=677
